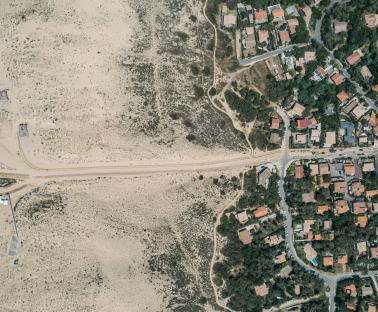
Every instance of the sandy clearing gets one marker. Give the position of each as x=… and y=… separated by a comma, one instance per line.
x=93, y=86
x=140, y=244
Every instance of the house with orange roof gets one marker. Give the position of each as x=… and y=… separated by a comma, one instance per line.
x=342, y=96
x=368, y=166
x=260, y=212
x=263, y=36
x=373, y=120
x=310, y=235
x=371, y=193
x=284, y=36
x=308, y=197
x=318, y=237
x=322, y=209
x=351, y=290
x=245, y=236
x=341, y=206
x=349, y=169
x=342, y=259
x=273, y=240
x=359, y=207
x=357, y=188
x=299, y=172
x=308, y=13
x=372, y=307
x=354, y=58
x=324, y=168
x=314, y=169
x=374, y=88
x=362, y=221
x=374, y=252
x=278, y=14
x=371, y=20
x=275, y=123
x=262, y=290
x=293, y=24
x=242, y=217
x=330, y=138
x=323, y=183
x=298, y=109
x=337, y=79
x=328, y=261
x=261, y=16
x=229, y=20
x=281, y=258
x=339, y=187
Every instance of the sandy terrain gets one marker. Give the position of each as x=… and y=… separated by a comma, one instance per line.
x=141, y=244
x=100, y=80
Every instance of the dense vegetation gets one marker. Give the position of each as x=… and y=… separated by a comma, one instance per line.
x=358, y=35
x=344, y=239
x=342, y=297
x=244, y=267
x=250, y=105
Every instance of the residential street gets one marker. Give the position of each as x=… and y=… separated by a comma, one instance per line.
x=258, y=58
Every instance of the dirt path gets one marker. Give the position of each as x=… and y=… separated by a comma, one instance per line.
x=233, y=202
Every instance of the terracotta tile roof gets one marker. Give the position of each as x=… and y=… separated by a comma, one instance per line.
x=263, y=35
x=372, y=308
x=338, y=79
x=324, y=168
x=278, y=12
x=229, y=20
x=368, y=166
x=261, y=16
x=371, y=193
x=298, y=109
x=351, y=290
x=375, y=88
x=280, y=259
x=260, y=212
x=304, y=123
x=314, y=169
x=293, y=29
x=362, y=221
x=349, y=169
x=374, y=252
x=357, y=188
x=310, y=235
x=299, y=171
x=340, y=187
x=328, y=261
x=275, y=123
x=353, y=58
x=342, y=259
x=359, y=207
x=261, y=290
x=373, y=121
x=370, y=20
x=245, y=236
x=341, y=206
x=342, y=96
x=321, y=209
x=307, y=11
x=242, y=217
x=284, y=36
x=318, y=237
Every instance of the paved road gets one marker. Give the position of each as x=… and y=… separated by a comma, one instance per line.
x=262, y=57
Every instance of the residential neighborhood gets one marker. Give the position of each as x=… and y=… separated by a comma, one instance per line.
x=335, y=214
x=260, y=30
